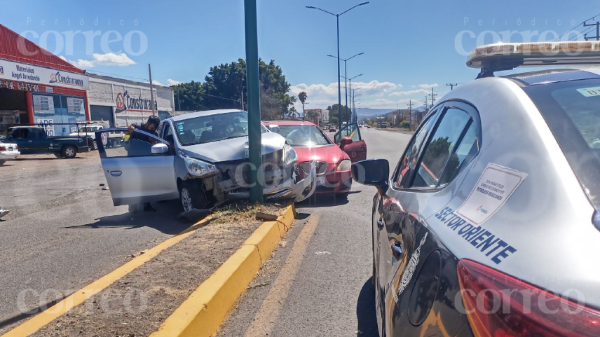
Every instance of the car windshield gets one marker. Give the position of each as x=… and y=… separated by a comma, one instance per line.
x=303, y=135
x=212, y=128
x=572, y=110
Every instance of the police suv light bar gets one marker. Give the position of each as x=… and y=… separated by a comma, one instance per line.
x=508, y=56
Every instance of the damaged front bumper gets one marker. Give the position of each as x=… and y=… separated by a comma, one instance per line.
x=287, y=189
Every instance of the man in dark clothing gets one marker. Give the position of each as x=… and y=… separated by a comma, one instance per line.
x=150, y=127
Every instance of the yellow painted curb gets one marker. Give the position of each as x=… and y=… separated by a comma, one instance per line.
x=207, y=307
x=42, y=319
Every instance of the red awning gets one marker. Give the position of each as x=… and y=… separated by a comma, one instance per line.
x=17, y=48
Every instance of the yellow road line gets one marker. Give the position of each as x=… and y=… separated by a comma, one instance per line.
x=42, y=319
x=264, y=320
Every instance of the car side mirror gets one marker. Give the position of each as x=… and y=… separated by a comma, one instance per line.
x=274, y=128
x=160, y=148
x=372, y=172
x=345, y=141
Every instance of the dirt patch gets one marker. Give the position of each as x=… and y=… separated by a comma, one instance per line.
x=140, y=302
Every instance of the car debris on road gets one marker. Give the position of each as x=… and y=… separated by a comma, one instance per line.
x=3, y=212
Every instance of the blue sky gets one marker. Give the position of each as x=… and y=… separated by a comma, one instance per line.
x=409, y=46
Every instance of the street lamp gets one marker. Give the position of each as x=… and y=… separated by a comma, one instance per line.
x=350, y=80
x=337, y=16
x=346, y=73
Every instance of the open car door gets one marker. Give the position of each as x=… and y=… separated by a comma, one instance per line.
x=139, y=169
x=351, y=142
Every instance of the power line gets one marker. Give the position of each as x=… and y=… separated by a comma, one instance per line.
x=570, y=30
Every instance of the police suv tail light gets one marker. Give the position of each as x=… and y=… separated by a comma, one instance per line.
x=499, y=305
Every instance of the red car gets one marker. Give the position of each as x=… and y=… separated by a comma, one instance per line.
x=312, y=144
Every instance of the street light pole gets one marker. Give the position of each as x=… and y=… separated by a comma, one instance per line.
x=337, y=17
x=339, y=84
x=346, y=91
x=253, y=85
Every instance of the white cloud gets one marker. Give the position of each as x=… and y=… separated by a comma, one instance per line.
x=373, y=94
x=108, y=59
x=172, y=82
x=410, y=92
x=157, y=83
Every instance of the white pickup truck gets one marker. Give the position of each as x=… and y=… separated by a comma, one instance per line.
x=89, y=131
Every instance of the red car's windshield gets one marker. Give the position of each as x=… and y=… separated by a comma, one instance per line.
x=303, y=135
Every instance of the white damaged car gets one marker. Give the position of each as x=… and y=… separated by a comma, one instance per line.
x=202, y=159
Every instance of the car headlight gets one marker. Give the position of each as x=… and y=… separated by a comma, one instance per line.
x=344, y=165
x=198, y=168
x=289, y=155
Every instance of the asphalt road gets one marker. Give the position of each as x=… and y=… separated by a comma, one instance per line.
x=318, y=282
x=63, y=231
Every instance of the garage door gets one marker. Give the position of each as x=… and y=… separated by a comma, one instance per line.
x=102, y=113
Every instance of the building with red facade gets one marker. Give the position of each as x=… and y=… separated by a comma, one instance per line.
x=39, y=88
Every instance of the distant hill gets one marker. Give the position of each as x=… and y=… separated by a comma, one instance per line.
x=366, y=113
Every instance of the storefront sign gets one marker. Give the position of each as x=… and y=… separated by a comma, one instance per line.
x=124, y=102
x=43, y=104
x=47, y=124
x=10, y=70
x=13, y=85
x=75, y=105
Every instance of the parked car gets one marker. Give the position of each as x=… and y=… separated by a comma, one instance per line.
x=202, y=159
x=313, y=145
x=350, y=141
x=33, y=140
x=331, y=129
x=89, y=133
x=489, y=225
x=8, y=151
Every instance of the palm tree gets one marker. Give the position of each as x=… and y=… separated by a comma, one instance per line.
x=302, y=97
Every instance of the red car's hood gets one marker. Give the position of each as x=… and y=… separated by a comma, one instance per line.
x=329, y=154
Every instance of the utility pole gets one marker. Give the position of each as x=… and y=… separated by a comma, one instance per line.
x=597, y=37
x=242, y=99
x=253, y=87
x=451, y=85
x=432, y=97
x=410, y=105
x=426, y=108
x=151, y=89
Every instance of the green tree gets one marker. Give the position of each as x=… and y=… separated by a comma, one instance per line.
x=333, y=111
x=302, y=97
x=225, y=87
x=189, y=96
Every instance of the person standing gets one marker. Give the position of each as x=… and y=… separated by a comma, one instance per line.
x=150, y=127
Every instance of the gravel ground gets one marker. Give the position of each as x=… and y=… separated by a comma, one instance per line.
x=63, y=231
x=140, y=302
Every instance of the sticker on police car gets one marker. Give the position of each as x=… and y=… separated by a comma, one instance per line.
x=494, y=187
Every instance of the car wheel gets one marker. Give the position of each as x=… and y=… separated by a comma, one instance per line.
x=57, y=155
x=69, y=152
x=192, y=196
x=2, y=162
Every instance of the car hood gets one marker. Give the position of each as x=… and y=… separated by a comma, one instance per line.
x=232, y=149
x=329, y=154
